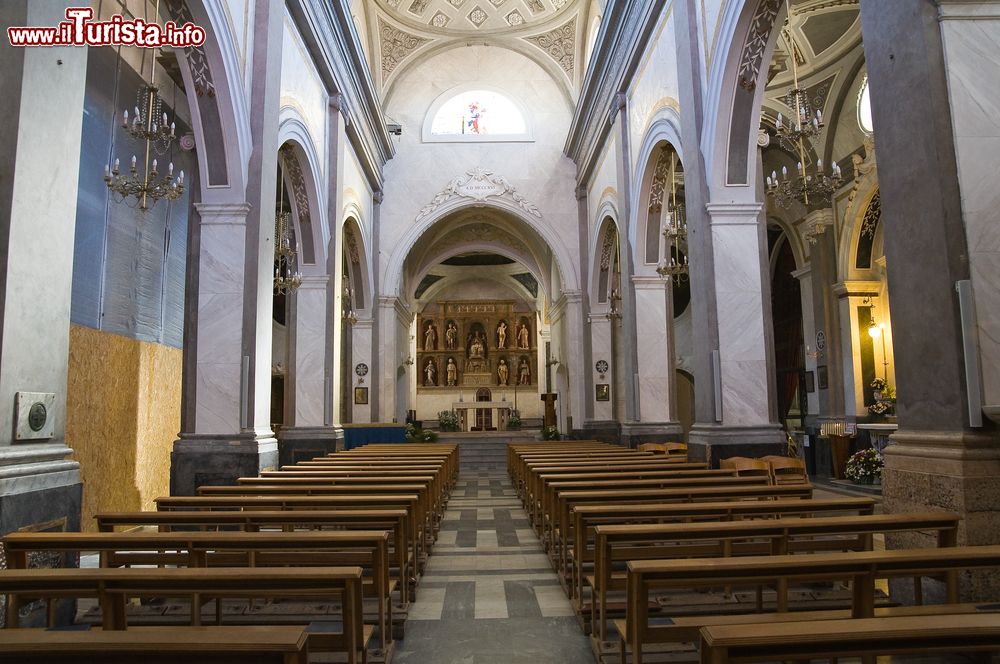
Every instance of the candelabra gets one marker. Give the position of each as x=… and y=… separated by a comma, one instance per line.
x=614, y=305
x=143, y=189
x=286, y=278
x=674, y=265
x=804, y=124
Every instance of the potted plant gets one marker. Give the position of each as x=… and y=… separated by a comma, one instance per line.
x=514, y=421
x=551, y=433
x=865, y=467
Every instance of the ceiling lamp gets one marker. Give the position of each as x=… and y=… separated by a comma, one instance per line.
x=143, y=188
x=807, y=186
x=286, y=278
x=674, y=265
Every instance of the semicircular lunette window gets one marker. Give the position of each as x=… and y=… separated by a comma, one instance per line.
x=865, y=108
x=479, y=115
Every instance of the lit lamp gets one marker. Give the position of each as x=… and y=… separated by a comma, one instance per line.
x=874, y=331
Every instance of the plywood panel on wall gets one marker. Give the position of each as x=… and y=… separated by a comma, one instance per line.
x=123, y=414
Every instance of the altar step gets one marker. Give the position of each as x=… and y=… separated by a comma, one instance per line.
x=487, y=451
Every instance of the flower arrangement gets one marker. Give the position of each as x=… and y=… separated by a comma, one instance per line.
x=880, y=407
x=448, y=420
x=885, y=398
x=514, y=421
x=417, y=435
x=865, y=466
x=551, y=433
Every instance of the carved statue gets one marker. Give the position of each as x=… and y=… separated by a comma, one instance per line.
x=430, y=337
x=502, y=335
x=524, y=372
x=452, y=372
x=523, y=338
x=477, y=350
x=431, y=374
x=451, y=337
x=502, y=373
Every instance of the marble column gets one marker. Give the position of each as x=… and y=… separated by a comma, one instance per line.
x=585, y=388
x=746, y=427
x=361, y=353
x=826, y=315
x=42, y=107
x=804, y=275
x=232, y=434
x=307, y=435
x=394, y=351
x=577, y=364
x=924, y=61
x=603, y=424
x=654, y=332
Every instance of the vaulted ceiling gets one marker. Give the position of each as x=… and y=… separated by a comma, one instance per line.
x=401, y=32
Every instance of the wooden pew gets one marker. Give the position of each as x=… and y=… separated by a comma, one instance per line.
x=619, y=543
x=365, y=548
x=158, y=645
x=860, y=569
x=393, y=520
x=292, y=501
x=561, y=528
x=587, y=517
x=113, y=588
x=831, y=639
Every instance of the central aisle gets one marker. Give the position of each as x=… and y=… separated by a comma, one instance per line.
x=489, y=595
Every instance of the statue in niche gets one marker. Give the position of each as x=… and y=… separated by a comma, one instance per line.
x=503, y=373
x=502, y=335
x=430, y=337
x=524, y=372
x=430, y=373
x=451, y=336
x=524, y=337
x=477, y=349
x=452, y=372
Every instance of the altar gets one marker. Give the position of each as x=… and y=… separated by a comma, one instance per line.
x=879, y=434
x=482, y=415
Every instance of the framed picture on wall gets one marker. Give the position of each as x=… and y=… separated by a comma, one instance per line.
x=603, y=392
x=824, y=381
x=810, y=382
x=361, y=396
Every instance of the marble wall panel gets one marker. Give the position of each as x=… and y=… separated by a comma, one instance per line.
x=971, y=43
x=310, y=353
x=600, y=339
x=653, y=343
x=302, y=88
x=655, y=82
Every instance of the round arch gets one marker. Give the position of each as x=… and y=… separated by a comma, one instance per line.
x=293, y=131
x=568, y=278
x=600, y=284
x=355, y=246
x=527, y=262
x=662, y=132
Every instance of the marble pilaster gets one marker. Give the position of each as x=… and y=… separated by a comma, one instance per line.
x=601, y=343
x=804, y=275
x=851, y=295
x=361, y=353
x=40, y=137
x=654, y=333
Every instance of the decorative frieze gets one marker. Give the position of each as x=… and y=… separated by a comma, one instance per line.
x=479, y=184
x=560, y=45
x=397, y=45
x=755, y=45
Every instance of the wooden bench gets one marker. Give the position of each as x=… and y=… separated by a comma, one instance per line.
x=860, y=569
x=561, y=528
x=906, y=635
x=394, y=521
x=586, y=517
x=113, y=588
x=365, y=548
x=292, y=501
x=619, y=543
x=158, y=645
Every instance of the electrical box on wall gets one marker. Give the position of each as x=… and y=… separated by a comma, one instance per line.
x=35, y=418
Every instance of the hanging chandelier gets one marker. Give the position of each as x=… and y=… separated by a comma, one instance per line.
x=286, y=278
x=674, y=265
x=808, y=186
x=143, y=188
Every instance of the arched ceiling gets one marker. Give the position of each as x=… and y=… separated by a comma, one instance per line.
x=475, y=17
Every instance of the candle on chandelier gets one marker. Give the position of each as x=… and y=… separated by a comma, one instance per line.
x=778, y=124
x=116, y=164
x=170, y=169
x=154, y=165
x=172, y=127
x=133, y=162
x=125, y=118
x=784, y=172
x=799, y=166
x=819, y=165
x=819, y=115
x=107, y=172
x=164, y=119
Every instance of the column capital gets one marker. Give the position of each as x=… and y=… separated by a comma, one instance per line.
x=964, y=10
x=804, y=272
x=581, y=192
x=223, y=214
x=844, y=289
x=734, y=214
x=315, y=282
x=649, y=283
x=815, y=224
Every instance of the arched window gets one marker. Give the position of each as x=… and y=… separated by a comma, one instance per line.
x=865, y=108
x=476, y=114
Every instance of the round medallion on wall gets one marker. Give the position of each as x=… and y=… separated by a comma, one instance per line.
x=37, y=416
x=601, y=366
x=361, y=369
x=820, y=340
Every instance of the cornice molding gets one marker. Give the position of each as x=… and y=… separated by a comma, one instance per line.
x=625, y=32
x=332, y=40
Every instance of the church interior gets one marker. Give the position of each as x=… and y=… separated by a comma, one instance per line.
x=471, y=331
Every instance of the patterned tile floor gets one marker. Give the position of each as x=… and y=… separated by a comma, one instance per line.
x=488, y=594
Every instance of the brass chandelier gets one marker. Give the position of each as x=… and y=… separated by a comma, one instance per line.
x=808, y=185
x=286, y=278
x=142, y=189
x=674, y=265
